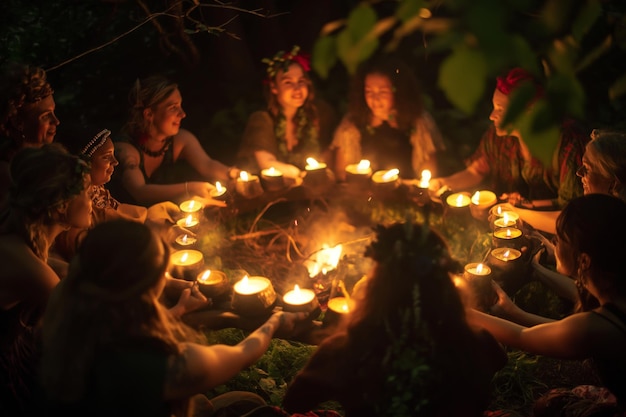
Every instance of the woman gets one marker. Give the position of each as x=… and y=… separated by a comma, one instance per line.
x=386, y=122
x=27, y=115
x=147, y=173
x=405, y=349
x=98, y=150
x=591, y=240
x=50, y=193
x=110, y=348
x=288, y=131
x=504, y=163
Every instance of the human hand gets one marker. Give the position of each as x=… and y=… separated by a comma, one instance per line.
x=504, y=306
x=289, y=323
x=517, y=200
x=201, y=191
x=164, y=212
x=191, y=299
x=291, y=171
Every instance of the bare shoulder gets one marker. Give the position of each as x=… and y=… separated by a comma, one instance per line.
x=22, y=268
x=185, y=136
x=180, y=378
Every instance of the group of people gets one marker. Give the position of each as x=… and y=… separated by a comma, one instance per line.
x=82, y=224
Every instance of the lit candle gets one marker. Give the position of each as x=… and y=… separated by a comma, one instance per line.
x=300, y=299
x=253, y=295
x=478, y=277
x=482, y=201
x=248, y=185
x=458, y=200
x=338, y=310
x=213, y=284
x=425, y=179
x=507, y=236
x=508, y=218
x=189, y=222
x=315, y=172
x=190, y=206
x=385, y=180
x=313, y=165
x=272, y=179
x=186, y=240
x=506, y=254
x=219, y=192
x=477, y=269
x=359, y=173
x=185, y=263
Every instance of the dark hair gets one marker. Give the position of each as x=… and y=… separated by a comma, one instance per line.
x=595, y=224
x=411, y=316
x=42, y=178
x=406, y=91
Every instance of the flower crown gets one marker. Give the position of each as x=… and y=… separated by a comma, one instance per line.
x=281, y=61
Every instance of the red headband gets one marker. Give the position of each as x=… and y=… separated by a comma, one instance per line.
x=514, y=78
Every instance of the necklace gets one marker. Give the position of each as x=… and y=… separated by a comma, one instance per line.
x=160, y=152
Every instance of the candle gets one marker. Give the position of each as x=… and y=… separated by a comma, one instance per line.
x=481, y=202
x=506, y=254
x=423, y=194
x=219, y=192
x=186, y=240
x=338, y=310
x=507, y=236
x=359, y=173
x=300, y=299
x=189, y=222
x=385, y=181
x=190, y=206
x=508, y=218
x=253, y=295
x=213, y=284
x=248, y=185
x=185, y=263
x=478, y=277
x=458, y=200
x=315, y=172
x=313, y=165
x=425, y=179
x=272, y=179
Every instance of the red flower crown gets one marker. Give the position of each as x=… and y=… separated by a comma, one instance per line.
x=281, y=61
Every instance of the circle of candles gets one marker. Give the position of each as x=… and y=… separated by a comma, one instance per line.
x=507, y=236
x=248, y=185
x=188, y=222
x=213, y=284
x=300, y=299
x=186, y=240
x=272, y=179
x=186, y=262
x=219, y=192
x=190, y=206
x=253, y=295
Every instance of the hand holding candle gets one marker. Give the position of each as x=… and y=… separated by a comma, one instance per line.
x=300, y=299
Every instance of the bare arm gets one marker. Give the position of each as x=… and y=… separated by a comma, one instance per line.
x=199, y=368
x=540, y=220
x=462, y=180
x=192, y=152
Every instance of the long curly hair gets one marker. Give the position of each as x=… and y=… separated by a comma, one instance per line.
x=586, y=225
x=411, y=317
x=43, y=179
x=109, y=299
x=20, y=86
x=146, y=93
x=407, y=93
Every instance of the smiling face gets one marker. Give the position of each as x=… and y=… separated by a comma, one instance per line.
x=378, y=92
x=103, y=163
x=38, y=122
x=291, y=87
x=165, y=118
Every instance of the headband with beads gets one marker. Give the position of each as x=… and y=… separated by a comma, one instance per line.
x=96, y=143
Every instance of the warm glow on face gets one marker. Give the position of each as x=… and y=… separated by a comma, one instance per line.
x=244, y=176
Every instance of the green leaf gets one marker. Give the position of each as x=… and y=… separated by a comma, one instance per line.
x=324, y=55
x=462, y=78
x=519, y=100
x=587, y=15
x=360, y=21
x=541, y=143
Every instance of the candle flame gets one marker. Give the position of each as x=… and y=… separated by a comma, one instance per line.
x=508, y=233
x=244, y=176
x=363, y=165
x=184, y=257
x=476, y=197
x=459, y=200
x=506, y=254
x=192, y=203
x=205, y=276
x=505, y=218
x=189, y=220
x=312, y=162
x=219, y=187
x=185, y=239
x=425, y=179
x=296, y=289
x=273, y=172
x=499, y=210
x=390, y=174
x=344, y=307
x=479, y=268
